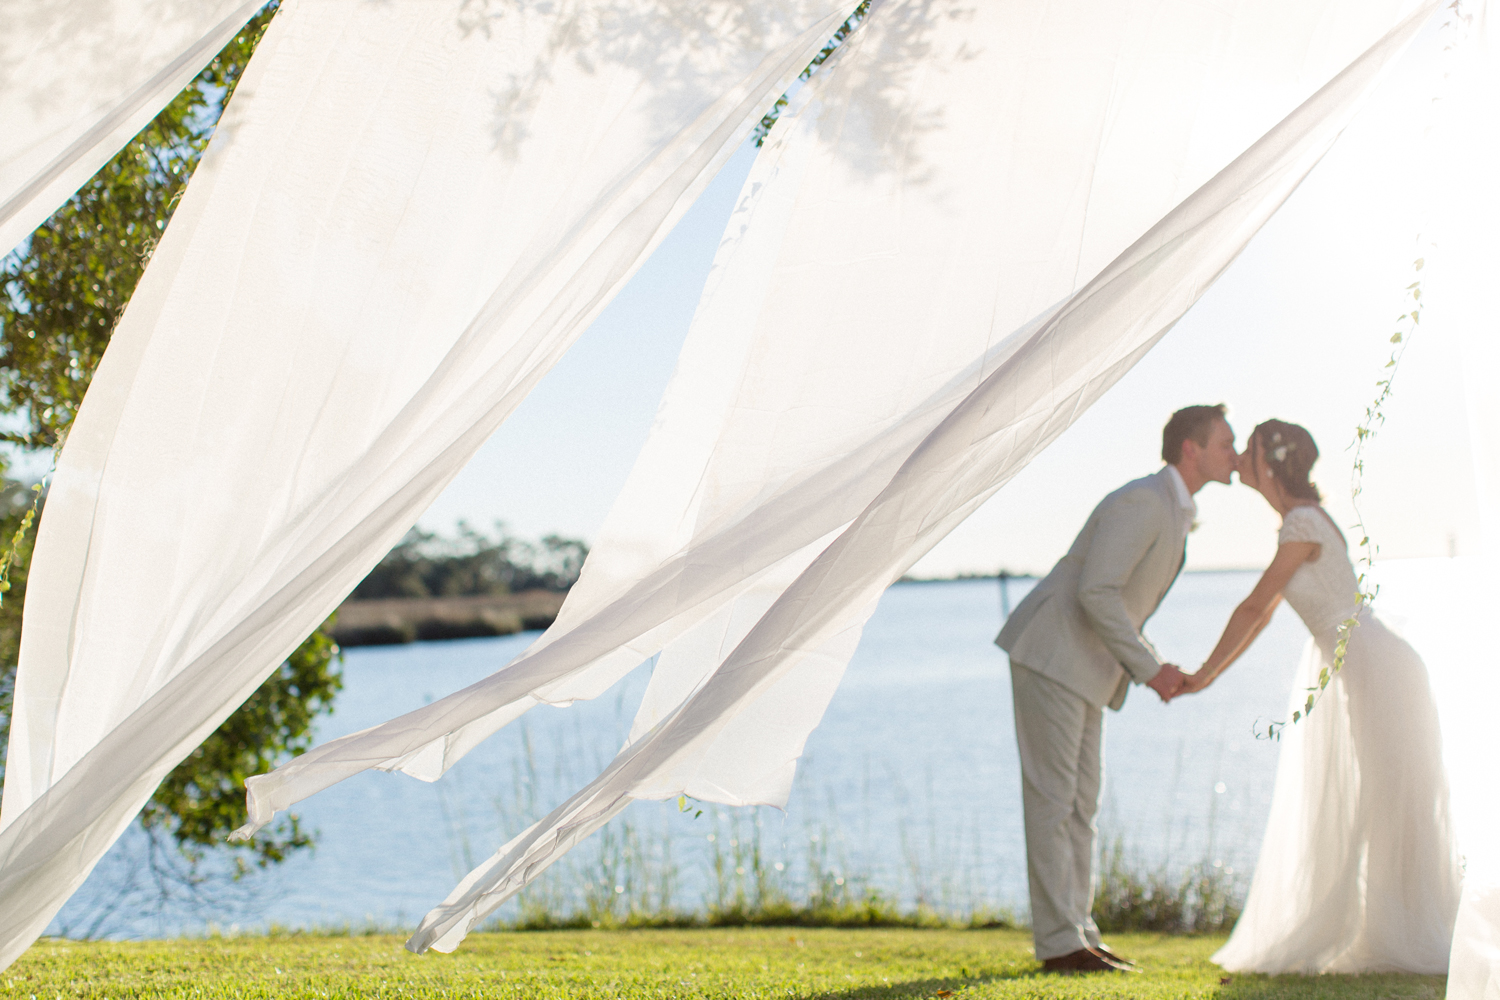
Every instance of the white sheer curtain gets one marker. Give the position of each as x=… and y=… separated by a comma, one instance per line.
x=1463, y=289
x=783, y=662
x=880, y=348
x=79, y=78
x=408, y=212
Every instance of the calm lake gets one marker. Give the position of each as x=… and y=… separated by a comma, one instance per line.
x=910, y=786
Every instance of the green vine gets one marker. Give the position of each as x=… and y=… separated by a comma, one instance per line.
x=1456, y=26
x=1374, y=419
x=10, y=556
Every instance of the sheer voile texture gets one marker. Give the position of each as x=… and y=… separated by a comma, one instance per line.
x=79, y=78
x=1465, y=282
x=408, y=212
x=970, y=224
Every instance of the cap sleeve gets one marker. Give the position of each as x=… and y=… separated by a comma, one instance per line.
x=1303, y=524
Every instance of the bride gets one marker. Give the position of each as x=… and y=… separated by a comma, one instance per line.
x=1358, y=871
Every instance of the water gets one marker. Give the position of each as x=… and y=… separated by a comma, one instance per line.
x=910, y=786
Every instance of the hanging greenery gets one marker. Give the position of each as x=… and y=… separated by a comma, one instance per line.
x=1456, y=27
x=1373, y=420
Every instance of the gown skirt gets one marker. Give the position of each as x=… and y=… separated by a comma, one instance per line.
x=1358, y=870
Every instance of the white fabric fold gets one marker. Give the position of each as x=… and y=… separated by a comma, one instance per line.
x=890, y=323
x=1463, y=289
x=408, y=212
x=954, y=174
x=78, y=80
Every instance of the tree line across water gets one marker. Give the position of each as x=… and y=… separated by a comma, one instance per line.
x=471, y=562
x=472, y=585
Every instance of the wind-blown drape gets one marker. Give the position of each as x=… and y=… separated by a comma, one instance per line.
x=1463, y=289
x=409, y=210
x=962, y=236
x=79, y=78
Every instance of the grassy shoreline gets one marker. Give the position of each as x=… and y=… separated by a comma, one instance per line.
x=390, y=621
x=828, y=964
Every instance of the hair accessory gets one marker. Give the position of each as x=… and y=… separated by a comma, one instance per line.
x=1281, y=449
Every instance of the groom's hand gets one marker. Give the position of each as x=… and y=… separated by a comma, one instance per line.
x=1167, y=682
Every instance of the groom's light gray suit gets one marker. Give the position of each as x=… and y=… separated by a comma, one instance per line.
x=1075, y=645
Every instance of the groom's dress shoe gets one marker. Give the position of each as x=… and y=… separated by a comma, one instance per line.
x=1080, y=961
x=1123, y=963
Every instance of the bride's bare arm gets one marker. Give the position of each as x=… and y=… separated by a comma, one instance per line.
x=1253, y=613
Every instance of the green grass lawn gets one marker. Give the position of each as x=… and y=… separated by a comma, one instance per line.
x=836, y=964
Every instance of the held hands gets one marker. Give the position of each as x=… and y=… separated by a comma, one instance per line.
x=1168, y=682
x=1193, y=683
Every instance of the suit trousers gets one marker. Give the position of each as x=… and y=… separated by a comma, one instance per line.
x=1061, y=740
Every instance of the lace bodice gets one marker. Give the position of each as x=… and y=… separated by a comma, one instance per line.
x=1325, y=591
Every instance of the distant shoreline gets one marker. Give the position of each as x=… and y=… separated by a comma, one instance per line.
x=962, y=577
x=395, y=621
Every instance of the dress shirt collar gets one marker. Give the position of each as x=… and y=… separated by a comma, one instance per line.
x=1184, y=498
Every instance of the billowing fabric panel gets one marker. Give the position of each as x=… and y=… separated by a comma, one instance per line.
x=948, y=185
x=408, y=212
x=991, y=432
x=79, y=78
x=1464, y=288
x=964, y=234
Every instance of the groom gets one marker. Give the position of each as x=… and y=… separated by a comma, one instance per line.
x=1075, y=645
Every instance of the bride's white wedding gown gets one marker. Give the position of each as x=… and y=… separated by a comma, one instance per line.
x=1358, y=871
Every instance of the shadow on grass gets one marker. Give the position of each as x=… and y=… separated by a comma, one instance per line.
x=1284, y=987
x=1295, y=987
x=926, y=988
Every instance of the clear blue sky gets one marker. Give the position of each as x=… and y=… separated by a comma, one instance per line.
x=1297, y=329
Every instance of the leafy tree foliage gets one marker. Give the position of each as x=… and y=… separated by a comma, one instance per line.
x=64, y=290
x=427, y=565
x=204, y=796
x=14, y=501
x=67, y=285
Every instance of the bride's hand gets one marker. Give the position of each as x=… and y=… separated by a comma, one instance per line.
x=1195, y=682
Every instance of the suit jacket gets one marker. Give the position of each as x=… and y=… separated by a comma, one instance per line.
x=1081, y=626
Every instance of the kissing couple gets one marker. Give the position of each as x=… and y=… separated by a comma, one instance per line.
x=1358, y=871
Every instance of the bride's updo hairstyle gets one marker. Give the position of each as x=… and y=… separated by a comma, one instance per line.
x=1289, y=452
